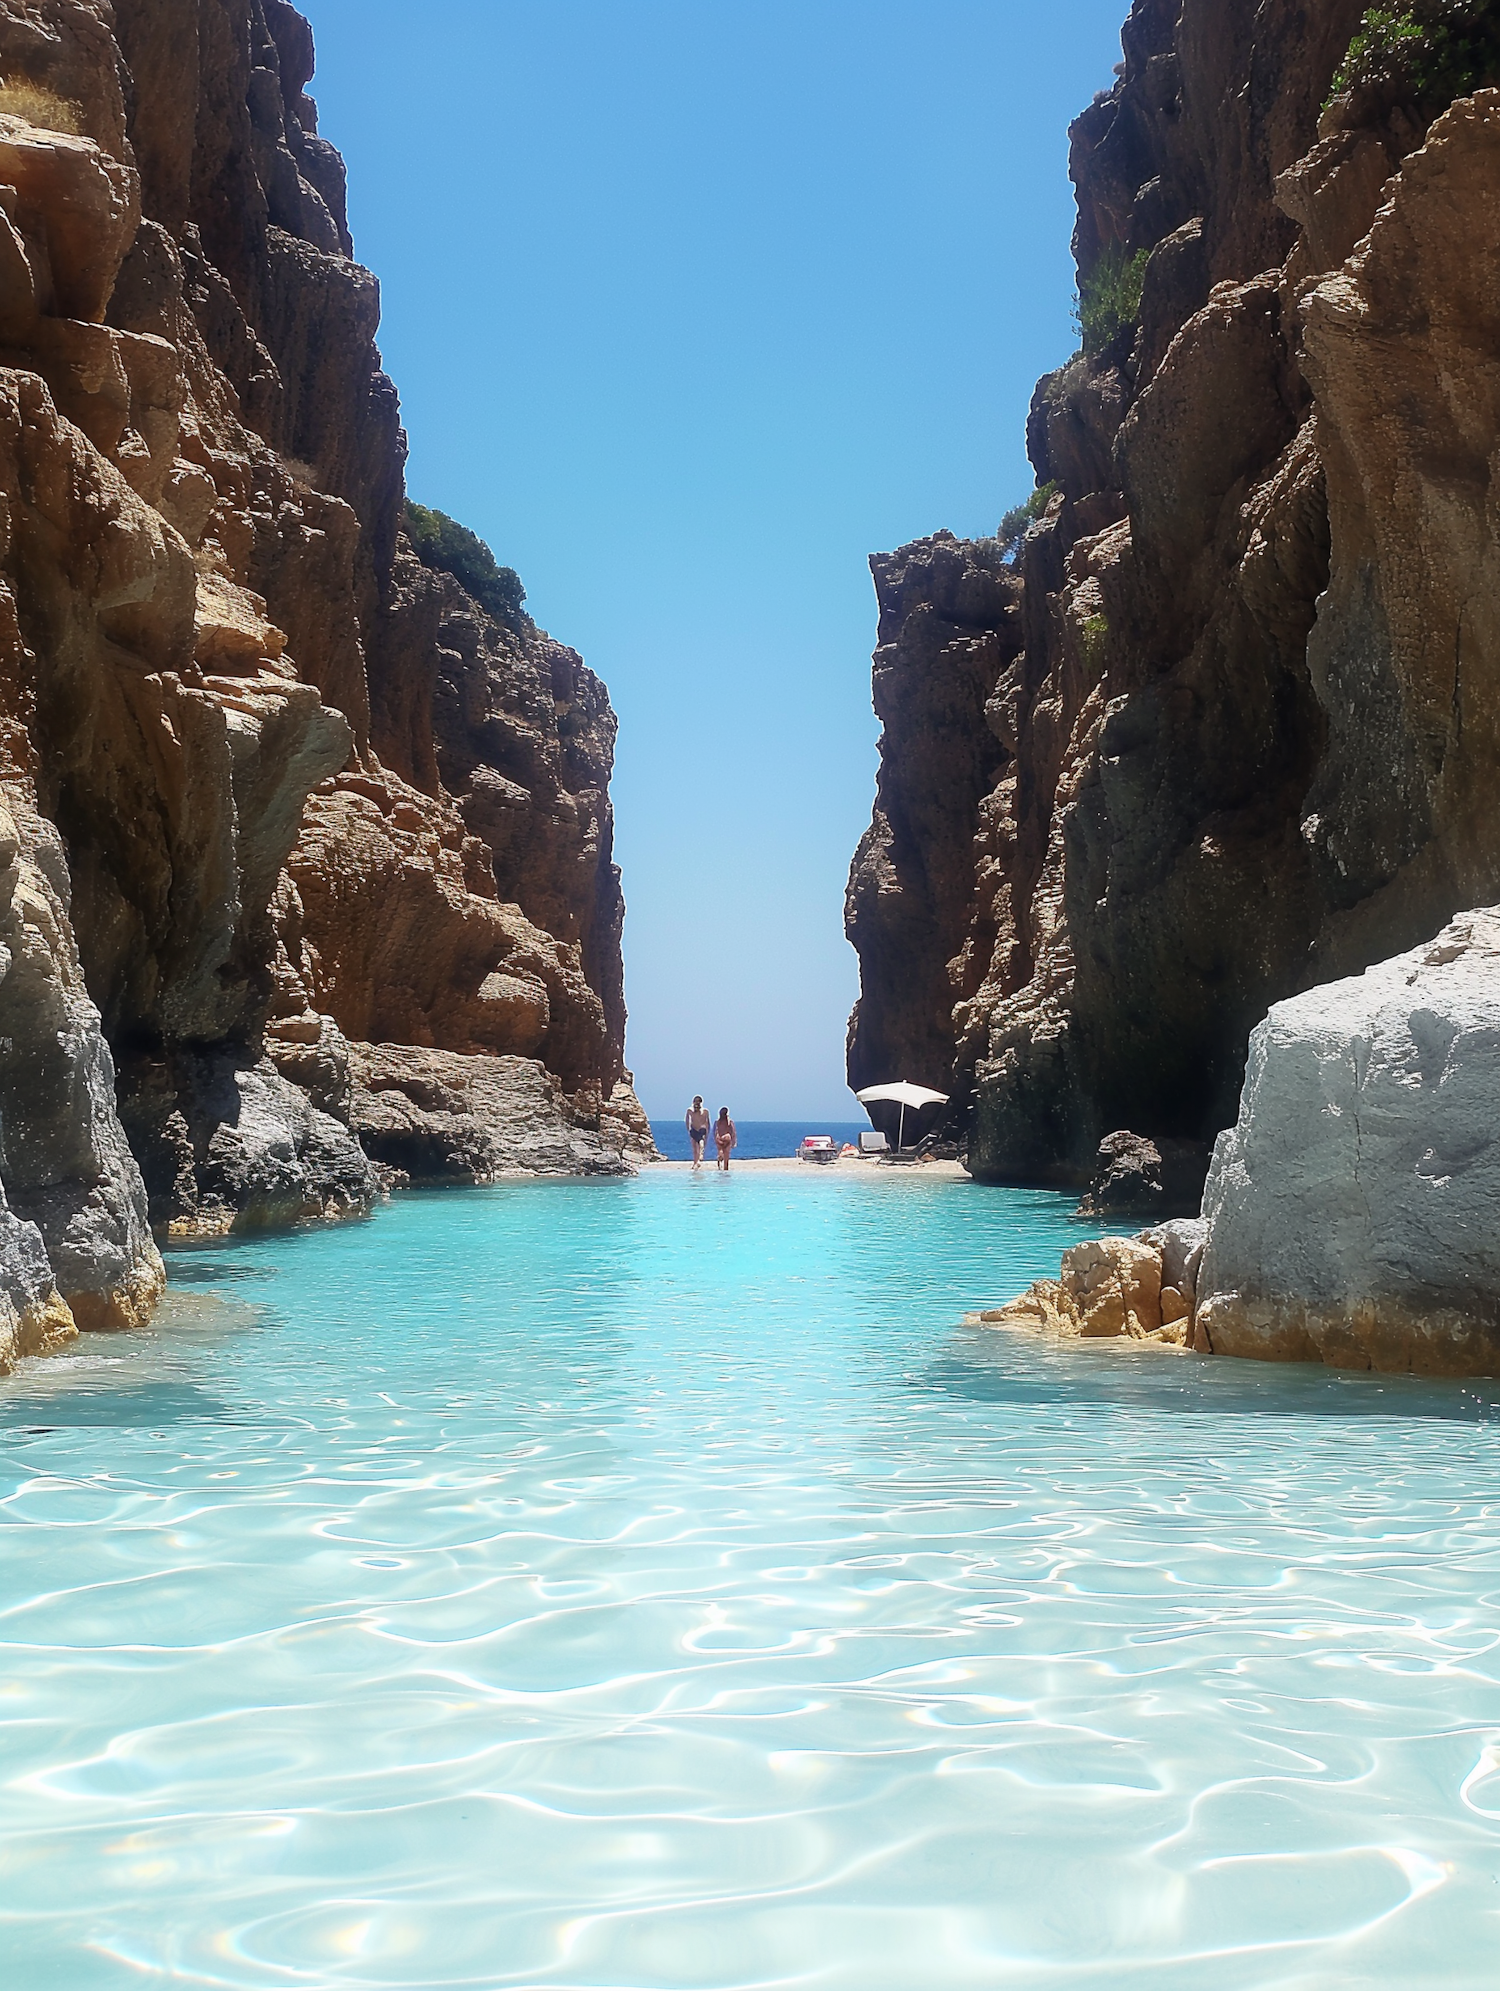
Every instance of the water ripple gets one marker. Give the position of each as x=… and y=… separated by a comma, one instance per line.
x=577, y=1587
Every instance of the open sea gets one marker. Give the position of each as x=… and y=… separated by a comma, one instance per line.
x=650, y=1586
x=759, y=1140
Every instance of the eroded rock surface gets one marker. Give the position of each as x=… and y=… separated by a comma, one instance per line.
x=1351, y=1208
x=34, y=1317
x=1108, y=1289
x=258, y=763
x=1349, y=1214
x=1137, y=1177
x=236, y=1146
x=949, y=626
x=439, y=1117
x=1243, y=686
x=67, y=1173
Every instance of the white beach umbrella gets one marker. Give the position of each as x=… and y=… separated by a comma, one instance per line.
x=904, y=1094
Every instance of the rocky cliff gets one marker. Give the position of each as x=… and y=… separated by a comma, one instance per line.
x=1240, y=682
x=1348, y=1215
x=1349, y=1212
x=269, y=785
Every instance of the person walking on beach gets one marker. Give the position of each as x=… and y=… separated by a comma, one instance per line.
x=724, y=1137
x=696, y=1123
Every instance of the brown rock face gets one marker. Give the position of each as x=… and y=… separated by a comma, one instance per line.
x=1117, y=1288
x=257, y=765
x=1108, y=1289
x=509, y=740
x=949, y=627
x=438, y=1118
x=389, y=922
x=1136, y=1177
x=1249, y=725
x=1403, y=820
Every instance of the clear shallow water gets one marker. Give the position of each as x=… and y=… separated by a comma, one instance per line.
x=759, y=1140
x=647, y=1585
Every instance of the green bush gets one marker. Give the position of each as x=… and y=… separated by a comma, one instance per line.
x=443, y=543
x=1426, y=52
x=1109, y=297
x=1012, y=528
x=1095, y=641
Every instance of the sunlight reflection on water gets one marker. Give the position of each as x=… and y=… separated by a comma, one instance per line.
x=650, y=1585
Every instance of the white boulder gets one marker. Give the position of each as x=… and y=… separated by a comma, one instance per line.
x=1354, y=1209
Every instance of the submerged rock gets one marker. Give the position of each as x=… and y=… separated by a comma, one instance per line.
x=1352, y=1209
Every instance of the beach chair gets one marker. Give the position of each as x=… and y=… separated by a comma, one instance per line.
x=871, y=1143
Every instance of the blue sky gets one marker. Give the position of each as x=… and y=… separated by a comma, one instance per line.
x=692, y=307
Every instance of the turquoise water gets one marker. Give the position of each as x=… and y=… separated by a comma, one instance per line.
x=633, y=1586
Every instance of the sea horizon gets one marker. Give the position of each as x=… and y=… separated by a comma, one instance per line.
x=758, y=1140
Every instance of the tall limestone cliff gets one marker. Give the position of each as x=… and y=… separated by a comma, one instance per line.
x=1240, y=689
x=305, y=856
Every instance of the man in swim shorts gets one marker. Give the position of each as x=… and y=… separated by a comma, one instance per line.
x=696, y=1123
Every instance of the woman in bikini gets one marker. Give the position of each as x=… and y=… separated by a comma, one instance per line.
x=697, y=1123
x=724, y=1137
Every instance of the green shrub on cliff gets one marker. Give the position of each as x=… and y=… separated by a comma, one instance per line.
x=443, y=543
x=1012, y=528
x=1109, y=297
x=1096, y=641
x=1426, y=52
